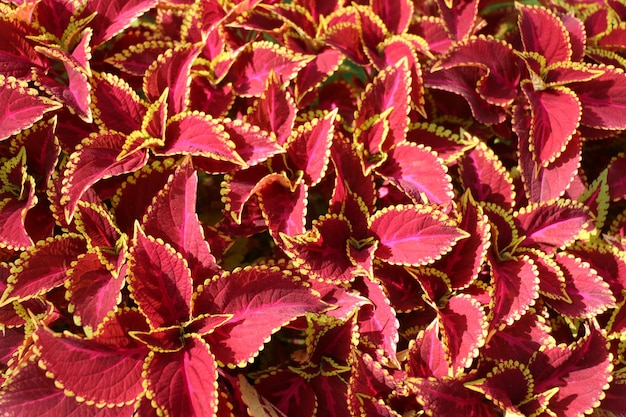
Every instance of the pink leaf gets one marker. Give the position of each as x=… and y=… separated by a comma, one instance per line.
x=97, y=372
x=43, y=267
x=261, y=299
x=20, y=106
x=171, y=71
x=184, y=383
x=589, y=295
x=413, y=235
x=159, y=281
x=418, y=172
x=172, y=217
x=544, y=33
x=96, y=159
x=253, y=66
x=516, y=286
x=552, y=224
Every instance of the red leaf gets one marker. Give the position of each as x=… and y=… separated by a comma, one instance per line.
x=93, y=291
x=114, y=16
x=546, y=182
x=581, y=372
x=603, y=100
x=544, y=33
x=516, y=285
x=43, y=267
x=96, y=159
x=183, y=383
x=389, y=91
x=275, y=110
x=419, y=173
x=159, y=281
x=172, y=217
x=257, y=61
x=171, y=71
x=116, y=104
x=413, y=235
x=323, y=250
x=308, y=149
x=94, y=371
x=30, y=393
x=553, y=224
x=555, y=115
x=464, y=262
x=262, y=299
x=589, y=294
x=482, y=173
x=20, y=106
x=460, y=17
x=463, y=326
x=283, y=205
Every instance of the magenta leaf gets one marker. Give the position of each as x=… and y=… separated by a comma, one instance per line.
x=96, y=158
x=253, y=66
x=43, y=267
x=581, y=372
x=323, y=251
x=552, y=224
x=21, y=106
x=117, y=105
x=308, y=149
x=544, y=33
x=555, y=115
x=96, y=371
x=459, y=17
x=483, y=173
x=275, y=110
x=589, y=295
x=93, y=291
x=387, y=92
x=378, y=325
x=262, y=299
x=197, y=134
x=463, y=327
x=171, y=71
x=418, y=172
x=172, y=217
x=159, y=280
x=546, y=182
x=516, y=286
x=413, y=234
x=30, y=393
x=283, y=205
x=602, y=100
x=114, y=16
x=183, y=383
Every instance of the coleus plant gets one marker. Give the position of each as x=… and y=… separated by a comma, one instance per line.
x=264, y=208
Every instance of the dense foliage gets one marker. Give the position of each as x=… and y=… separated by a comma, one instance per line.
x=332, y=208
